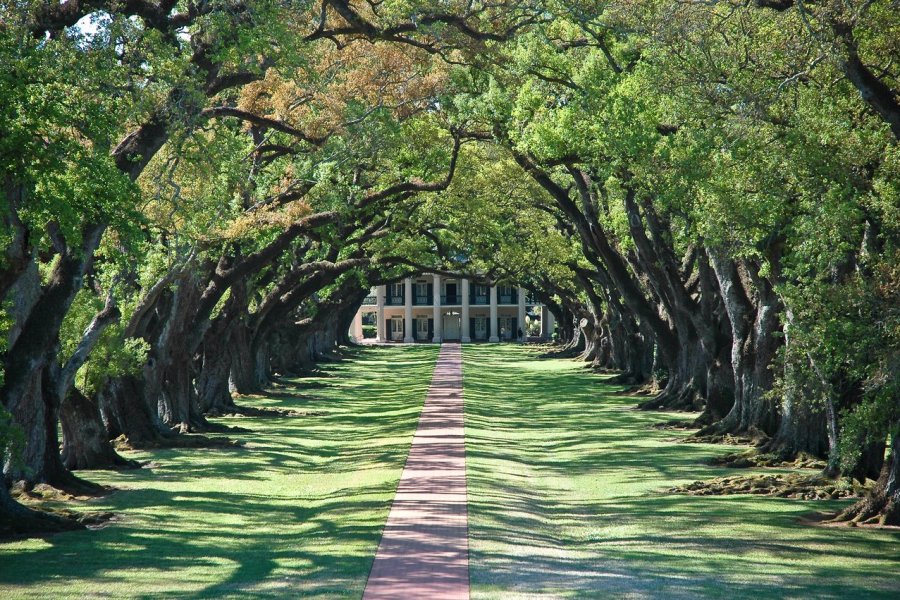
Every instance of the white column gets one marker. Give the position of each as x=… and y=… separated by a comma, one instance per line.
x=408, y=292
x=544, y=334
x=494, y=337
x=380, y=330
x=521, y=317
x=550, y=323
x=437, y=310
x=465, y=338
x=356, y=332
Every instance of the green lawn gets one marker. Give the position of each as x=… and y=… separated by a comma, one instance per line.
x=298, y=512
x=565, y=500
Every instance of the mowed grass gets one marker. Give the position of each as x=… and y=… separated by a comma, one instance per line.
x=566, y=500
x=298, y=512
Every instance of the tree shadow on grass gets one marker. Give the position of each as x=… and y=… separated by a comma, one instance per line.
x=565, y=500
x=298, y=512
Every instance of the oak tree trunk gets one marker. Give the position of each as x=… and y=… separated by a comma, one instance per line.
x=86, y=443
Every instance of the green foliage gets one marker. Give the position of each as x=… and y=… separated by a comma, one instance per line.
x=61, y=114
x=112, y=356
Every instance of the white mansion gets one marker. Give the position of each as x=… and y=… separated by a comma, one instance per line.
x=432, y=308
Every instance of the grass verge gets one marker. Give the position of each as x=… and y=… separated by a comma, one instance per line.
x=297, y=512
x=566, y=500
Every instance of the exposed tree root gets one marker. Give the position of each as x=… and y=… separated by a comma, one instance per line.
x=882, y=506
x=875, y=509
x=797, y=486
x=563, y=353
x=42, y=492
x=277, y=386
x=623, y=378
x=270, y=413
x=25, y=516
x=33, y=523
x=686, y=400
x=113, y=461
x=644, y=389
x=743, y=460
x=675, y=425
x=222, y=428
x=705, y=419
x=710, y=435
x=178, y=441
x=204, y=426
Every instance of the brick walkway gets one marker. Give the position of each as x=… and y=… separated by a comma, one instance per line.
x=424, y=551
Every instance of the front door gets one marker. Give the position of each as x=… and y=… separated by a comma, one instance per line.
x=422, y=330
x=451, y=327
x=397, y=329
x=506, y=328
x=480, y=328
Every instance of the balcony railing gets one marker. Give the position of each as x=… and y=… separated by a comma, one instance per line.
x=450, y=300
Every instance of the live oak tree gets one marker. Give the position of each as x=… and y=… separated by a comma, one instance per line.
x=176, y=67
x=198, y=196
x=719, y=197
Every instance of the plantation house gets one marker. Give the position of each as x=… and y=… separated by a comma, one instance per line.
x=433, y=308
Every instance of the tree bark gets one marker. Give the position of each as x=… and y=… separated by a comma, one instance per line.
x=127, y=412
x=882, y=506
x=753, y=308
x=86, y=442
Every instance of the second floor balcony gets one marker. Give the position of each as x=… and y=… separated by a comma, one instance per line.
x=479, y=296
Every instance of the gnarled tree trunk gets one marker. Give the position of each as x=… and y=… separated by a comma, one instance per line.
x=86, y=443
x=882, y=506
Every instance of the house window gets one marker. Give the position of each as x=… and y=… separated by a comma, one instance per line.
x=422, y=293
x=450, y=293
x=396, y=294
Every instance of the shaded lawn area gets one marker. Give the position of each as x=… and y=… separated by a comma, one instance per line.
x=298, y=512
x=566, y=500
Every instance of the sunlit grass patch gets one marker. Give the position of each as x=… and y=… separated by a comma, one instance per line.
x=298, y=511
x=566, y=487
